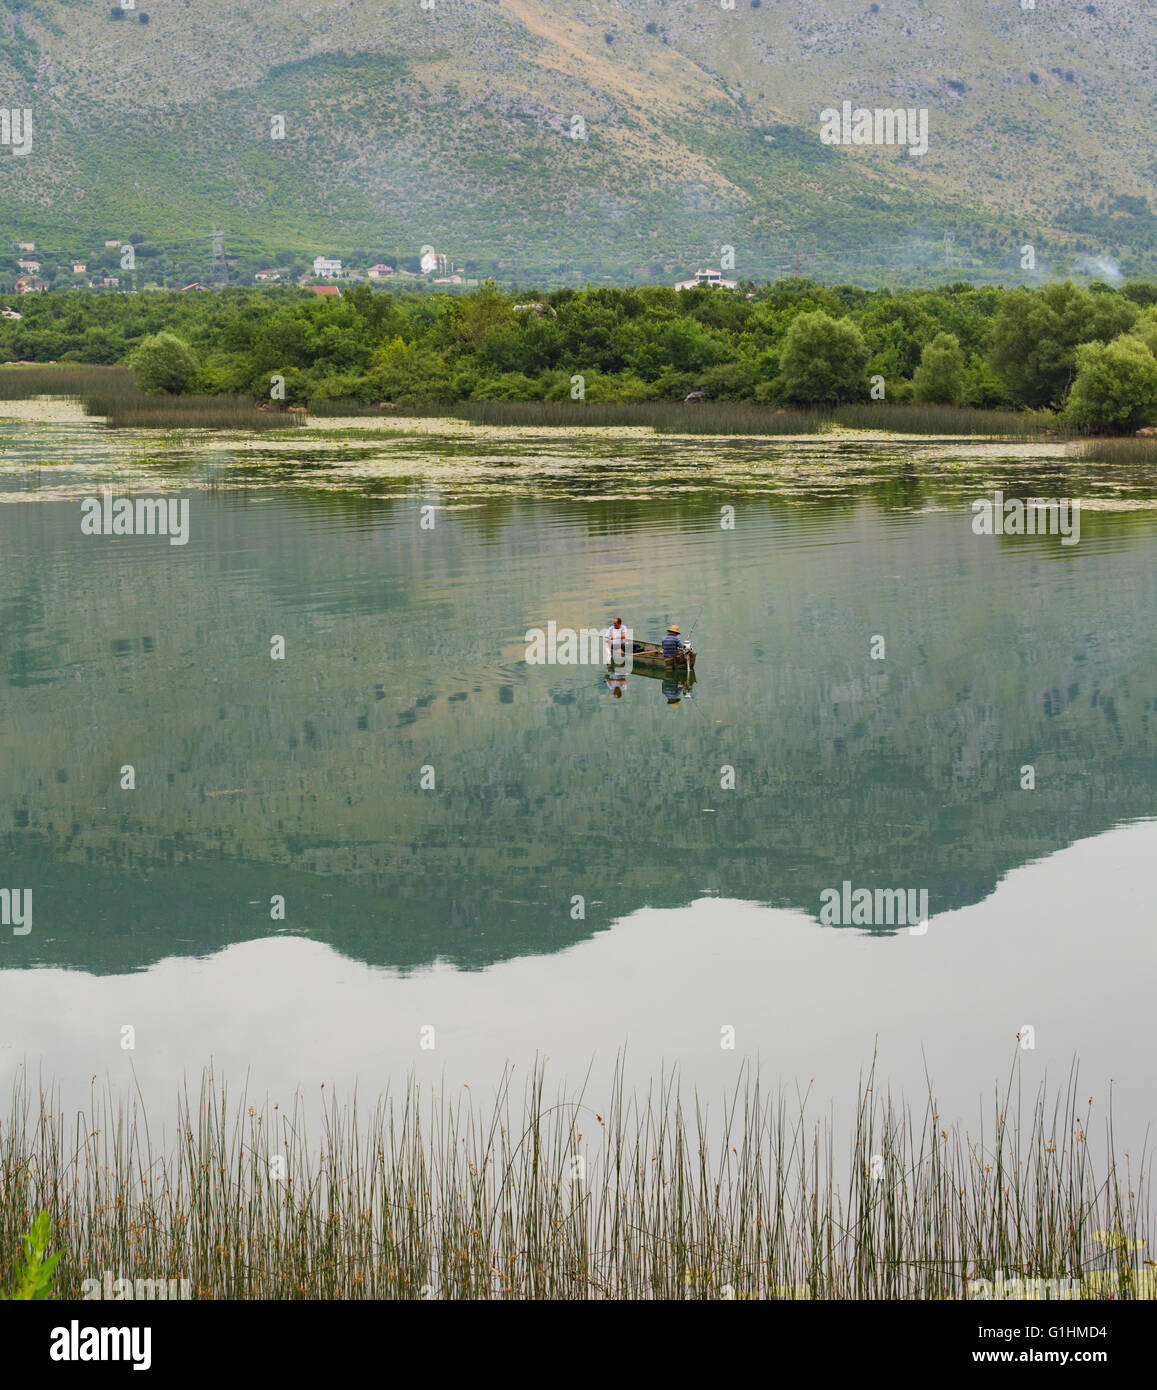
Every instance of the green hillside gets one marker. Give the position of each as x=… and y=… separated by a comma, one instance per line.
x=454, y=127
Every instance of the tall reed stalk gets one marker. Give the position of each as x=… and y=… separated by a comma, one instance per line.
x=641, y=1197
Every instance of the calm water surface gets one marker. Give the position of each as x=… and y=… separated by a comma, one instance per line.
x=457, y=906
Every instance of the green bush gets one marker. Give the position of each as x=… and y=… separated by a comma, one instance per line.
x=983, y=388
x=823, y=361
x=163, y=362
x=1115, y=386
x=1036, y=334
x=939, y=379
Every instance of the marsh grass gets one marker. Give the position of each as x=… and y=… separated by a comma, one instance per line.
x=644, y=1197
x=722, y=417
x=664, y=417
x=1124, y=451
x=947, y=420
x=112, y=393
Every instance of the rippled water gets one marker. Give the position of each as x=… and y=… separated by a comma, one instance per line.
x=582, y=876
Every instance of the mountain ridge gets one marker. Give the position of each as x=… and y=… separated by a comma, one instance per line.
x=624, y=140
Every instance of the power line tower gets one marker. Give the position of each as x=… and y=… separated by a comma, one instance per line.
x=220, y=271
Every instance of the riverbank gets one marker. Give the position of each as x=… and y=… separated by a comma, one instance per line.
x=108, y=395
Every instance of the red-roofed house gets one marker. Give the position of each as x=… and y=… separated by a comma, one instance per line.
x=324, y=289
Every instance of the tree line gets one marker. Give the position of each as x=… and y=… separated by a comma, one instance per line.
x=1088, y=352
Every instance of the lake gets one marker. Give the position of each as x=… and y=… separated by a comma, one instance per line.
x=401, y=849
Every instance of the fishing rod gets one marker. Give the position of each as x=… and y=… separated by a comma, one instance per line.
x=691, y=629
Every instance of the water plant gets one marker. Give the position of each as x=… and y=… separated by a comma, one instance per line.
x=655, y=1196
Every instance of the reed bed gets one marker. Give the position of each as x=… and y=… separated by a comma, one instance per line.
x=947, y=420
x=111, y=392
x=640, y=1197
x=664, y=417
x=724, y=417
x=1130, y=450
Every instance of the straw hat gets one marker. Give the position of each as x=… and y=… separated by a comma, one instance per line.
x=673, y=628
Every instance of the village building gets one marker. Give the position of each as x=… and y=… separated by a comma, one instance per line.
x=79, y=267
x=266, y=275
x=326, y=267
x=324, y=289
x=29, y=284
x=449, y=280
x=28, y=265
x=711, y=277
x=434, y=262
x=26, y=246
x=112, y=243
x=380, y=272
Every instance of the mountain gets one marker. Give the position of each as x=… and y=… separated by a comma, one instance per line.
x=567, y=140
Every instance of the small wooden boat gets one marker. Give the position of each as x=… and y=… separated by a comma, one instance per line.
x=648, y=656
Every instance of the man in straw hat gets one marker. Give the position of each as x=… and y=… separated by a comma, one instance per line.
x=673, y=644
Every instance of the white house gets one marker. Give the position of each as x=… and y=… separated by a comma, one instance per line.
x=449, y=280
x=112, y=243
x=433, y=262
x=380, y=272
x=326, y=267
x=268, y=275
x=26, y=246
x=28, y=265
x=711, y=277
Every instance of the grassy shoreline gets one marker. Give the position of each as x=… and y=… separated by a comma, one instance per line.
x=575, y=1197
x=109, y=392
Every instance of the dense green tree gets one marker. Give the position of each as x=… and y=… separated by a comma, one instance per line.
x=823, y=361
x=408, y=374
x=983, y=388
x=939, y=379
x=1146, y=329
x=1037, y=332
x=163, y=362
x=1115, y=386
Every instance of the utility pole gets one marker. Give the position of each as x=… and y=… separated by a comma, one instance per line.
x=220, y=268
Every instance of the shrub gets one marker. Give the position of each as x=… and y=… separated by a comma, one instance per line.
x=939, y=379
x=982, y=386
x=1036, y=333
x=1115, y=386
x=163, y=362
x=823, y=361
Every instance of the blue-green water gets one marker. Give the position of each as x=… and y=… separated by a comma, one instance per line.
x=517, y=857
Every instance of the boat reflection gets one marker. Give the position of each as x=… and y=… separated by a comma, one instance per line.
x=675, y=686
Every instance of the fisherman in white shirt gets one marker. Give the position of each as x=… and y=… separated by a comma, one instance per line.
x=618, y=640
